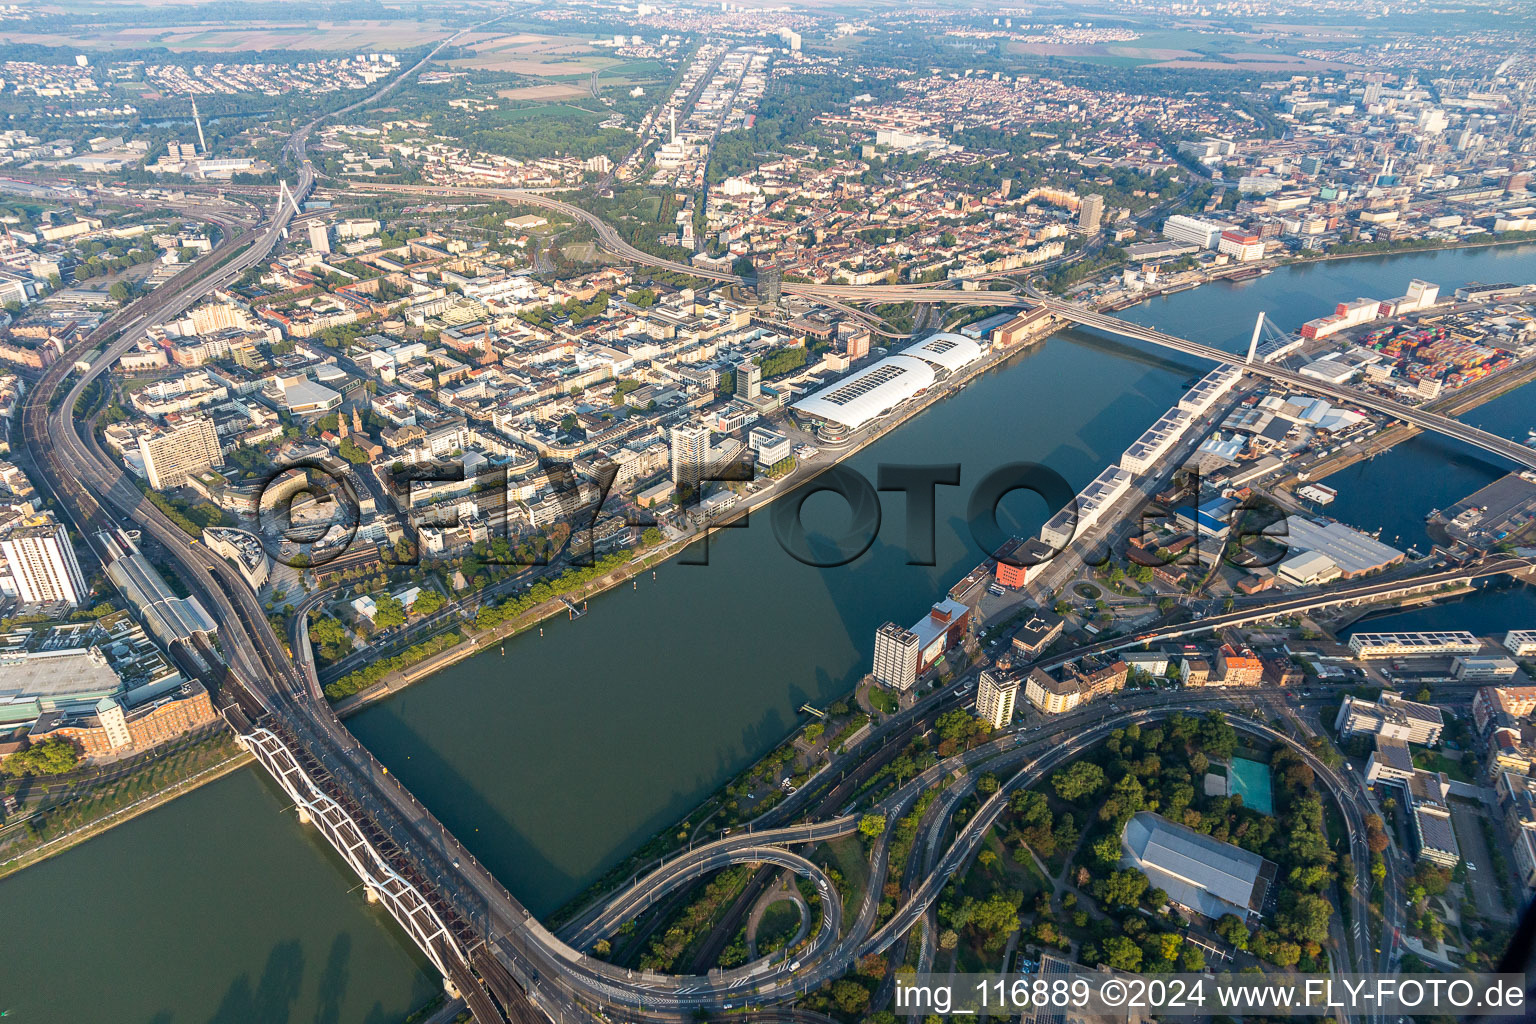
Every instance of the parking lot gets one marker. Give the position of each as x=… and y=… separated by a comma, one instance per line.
x=1466, y=816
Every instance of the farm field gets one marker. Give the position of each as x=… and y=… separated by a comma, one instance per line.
x=295, y=35
x=1189, y=49
x=549, y=92
x=528, y=53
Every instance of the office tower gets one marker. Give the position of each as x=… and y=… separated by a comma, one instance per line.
x=1090, y=213
x=855, y=340
x=770, y=281
x=42, y=562
x=1204, y=233
x=996, y=695
x=172, y=454
x=319, y=240
x=749, y=380
x=895, y=657
x=690, y=450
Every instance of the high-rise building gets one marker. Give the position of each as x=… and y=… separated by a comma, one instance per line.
x=42, y=563
x=690, y=450
x=1091, y=213
x=319, y=239
x=770, y=283
x=896, y=654
x=855, y=339
x=217, y=316
x=749, y=379
x=172, y=454
x=996, y=695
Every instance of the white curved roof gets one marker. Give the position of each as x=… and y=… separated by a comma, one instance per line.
x=870, y=393
x=949, y=351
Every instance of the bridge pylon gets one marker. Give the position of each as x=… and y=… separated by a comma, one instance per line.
x=1253, y=343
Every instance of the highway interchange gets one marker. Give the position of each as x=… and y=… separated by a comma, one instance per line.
x=1029, y=752
x=265, y=683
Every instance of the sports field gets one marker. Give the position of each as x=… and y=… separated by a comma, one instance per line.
x=1250, y=780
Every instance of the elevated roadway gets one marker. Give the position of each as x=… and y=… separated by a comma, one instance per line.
x=1513, y=451
x=1367, y=593
x=1030, y=755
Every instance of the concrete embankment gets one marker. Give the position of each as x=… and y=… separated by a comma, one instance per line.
x=483, y=640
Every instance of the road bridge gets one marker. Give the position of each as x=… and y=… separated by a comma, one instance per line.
x=1071, y=312
x=1521, y=455
x=1368, y=593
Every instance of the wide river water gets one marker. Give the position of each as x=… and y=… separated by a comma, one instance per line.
x=552, y=762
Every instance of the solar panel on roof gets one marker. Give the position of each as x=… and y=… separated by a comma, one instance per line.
x=853, y=389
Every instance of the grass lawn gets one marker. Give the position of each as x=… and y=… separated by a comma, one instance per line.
x=777, y=926
x=554, y=111
x=636, y=70
x=852, y=862
x=1435, y=761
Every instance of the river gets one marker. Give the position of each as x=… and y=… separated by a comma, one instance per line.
x=217, y=907
x=554, y=761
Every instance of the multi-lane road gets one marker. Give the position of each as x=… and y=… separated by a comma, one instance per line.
x=1265, y=610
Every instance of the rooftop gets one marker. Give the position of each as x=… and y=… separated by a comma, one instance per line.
x=1196, y=871
x=60, y=675
x=948, y=351
x=938, y=621
x=1394, y=753
x=871, y=393
x=1352, y=551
